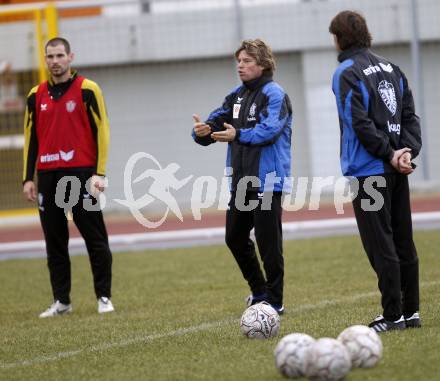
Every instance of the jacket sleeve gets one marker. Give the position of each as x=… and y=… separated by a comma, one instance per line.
x=202, y=140
x=30, y=148
x=216, y=118
x=273, y=119
x=97, y=115
x=355, y=101
x=410, y=131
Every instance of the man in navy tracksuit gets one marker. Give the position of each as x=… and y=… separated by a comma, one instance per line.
x=380, y=134
x=255, y=120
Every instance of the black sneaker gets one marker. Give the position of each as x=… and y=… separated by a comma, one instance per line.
x=413, y=321
x=278, y=308
x=380, y=324
x=254, y=299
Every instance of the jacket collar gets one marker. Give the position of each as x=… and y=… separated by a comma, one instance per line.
x=56, y=91
x=71, y=79
x=350, y=53
x=258, y=82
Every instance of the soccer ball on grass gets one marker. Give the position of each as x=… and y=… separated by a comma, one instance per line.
x=291, y=353
x=328, y=360
x=363, y=344
x=260, y=321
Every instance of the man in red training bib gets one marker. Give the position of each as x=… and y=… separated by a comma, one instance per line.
x=66, y=141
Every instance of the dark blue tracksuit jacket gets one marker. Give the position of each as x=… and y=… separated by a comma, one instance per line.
x=376, y=113
x=261, y=113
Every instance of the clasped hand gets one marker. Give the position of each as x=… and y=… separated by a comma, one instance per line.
x=401, y=161
x=202, y=129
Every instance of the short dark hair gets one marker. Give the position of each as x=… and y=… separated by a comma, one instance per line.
x=351, y=30
x=58, y=41
x=261, y=52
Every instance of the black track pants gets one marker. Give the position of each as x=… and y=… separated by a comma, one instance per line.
x=387, y=238
x=56, y=233
x=268, y=235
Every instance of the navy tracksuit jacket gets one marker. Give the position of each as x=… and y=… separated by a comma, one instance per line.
x=261, y=113
x=376, y=113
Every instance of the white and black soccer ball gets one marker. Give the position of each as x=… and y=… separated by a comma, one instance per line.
x=363, y=344
x=260, y=321
x=291, y=354
x=328, y=360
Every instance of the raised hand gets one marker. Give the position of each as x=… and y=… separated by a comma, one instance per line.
x=200, y=129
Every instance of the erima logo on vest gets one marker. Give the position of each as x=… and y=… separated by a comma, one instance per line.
x=49, y=157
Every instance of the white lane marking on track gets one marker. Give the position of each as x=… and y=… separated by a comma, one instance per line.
x=184, y=331
x=178, y=238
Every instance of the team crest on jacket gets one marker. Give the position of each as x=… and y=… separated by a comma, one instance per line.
x=388, y=95
x=70, y=106
x=252, y=112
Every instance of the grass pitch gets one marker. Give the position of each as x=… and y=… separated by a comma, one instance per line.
x=177, y=316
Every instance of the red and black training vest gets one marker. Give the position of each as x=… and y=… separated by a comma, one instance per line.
x=65, y=138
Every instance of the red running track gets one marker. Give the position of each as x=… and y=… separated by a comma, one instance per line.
x=127, y=224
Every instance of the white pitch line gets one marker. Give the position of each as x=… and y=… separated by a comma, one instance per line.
x=184, y=331
x=119, y=344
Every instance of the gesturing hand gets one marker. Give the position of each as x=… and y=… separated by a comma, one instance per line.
x=200, y=129
x=227, y=135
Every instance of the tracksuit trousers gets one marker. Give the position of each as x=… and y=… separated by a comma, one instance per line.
x=56, y=233
x=268, y=234
x=387, y=238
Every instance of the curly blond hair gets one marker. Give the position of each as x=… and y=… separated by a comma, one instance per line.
x=261, y=52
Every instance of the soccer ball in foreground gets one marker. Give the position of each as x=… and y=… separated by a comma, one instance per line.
x=363, y=344
x=260, y=321
x=291, y=353
x=328, y=360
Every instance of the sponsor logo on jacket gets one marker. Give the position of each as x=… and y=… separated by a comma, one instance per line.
x=388, y=68
x=371, y=69
x=393, y=127
x=377, y=68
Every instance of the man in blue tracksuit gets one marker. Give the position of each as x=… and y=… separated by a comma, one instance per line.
x=255, y=120
x=380, y=134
